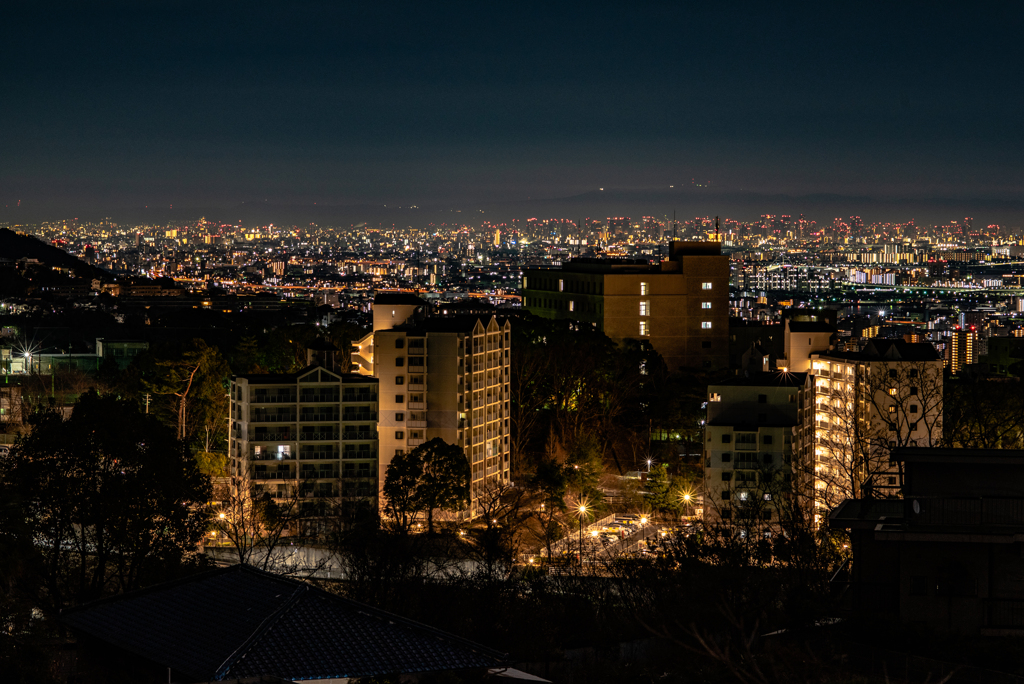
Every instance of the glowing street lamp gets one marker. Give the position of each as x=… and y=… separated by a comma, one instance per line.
x=583, y=512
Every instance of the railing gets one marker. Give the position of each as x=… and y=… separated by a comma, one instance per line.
x=274, y=475
x=965, y=512
x=417, y=405
x=278, y=418
x=1004, y=613
x=363, y=396
x=415, y=442
x=273, y=399
x=320, y=397
x=279, y=436
x=318, y=474
x=359, y=435
x=416, y=423
x=320, y=435
x=418, y=351
x=319, y=454
x=322, y=417
x=351, y=416
x=271, y=456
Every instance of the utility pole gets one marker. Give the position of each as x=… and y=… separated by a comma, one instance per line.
x=147, y=402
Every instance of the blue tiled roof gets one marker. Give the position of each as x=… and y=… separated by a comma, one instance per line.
x=241, y=622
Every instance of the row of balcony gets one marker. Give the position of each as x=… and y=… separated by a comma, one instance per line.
x=311, y=436
x=316, y=398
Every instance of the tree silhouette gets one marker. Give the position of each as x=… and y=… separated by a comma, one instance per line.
x=433, y=476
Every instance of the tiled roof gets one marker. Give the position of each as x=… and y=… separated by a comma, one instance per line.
x=241, y=622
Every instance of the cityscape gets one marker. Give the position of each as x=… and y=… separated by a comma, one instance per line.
x=386, y=344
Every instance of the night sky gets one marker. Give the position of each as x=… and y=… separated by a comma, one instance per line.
x=108, y=106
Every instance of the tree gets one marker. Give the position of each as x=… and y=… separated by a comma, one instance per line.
x=433, y=476
x=109, y=496
x=444, y=484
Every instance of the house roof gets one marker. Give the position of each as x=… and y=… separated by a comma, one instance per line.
x=241, y=622
x=765, y=379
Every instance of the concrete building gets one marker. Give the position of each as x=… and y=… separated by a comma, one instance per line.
x=947, y=557
x=445, y=377
x=680, y=305
x=963, y=349
x=855, y=408
x=751, y=422
x=309, y=436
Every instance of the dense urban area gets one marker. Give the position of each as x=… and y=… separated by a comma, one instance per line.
x=610, y=449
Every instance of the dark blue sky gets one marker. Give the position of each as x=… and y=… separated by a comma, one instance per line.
x=108, y=105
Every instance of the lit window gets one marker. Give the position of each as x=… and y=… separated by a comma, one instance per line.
x=706, y=325
x=892, y=391
x=645, y=308
x=705, y=305
x=572, y=305
x=705, y=286
x=643, y=289
x=561, y=285
x=645, y=329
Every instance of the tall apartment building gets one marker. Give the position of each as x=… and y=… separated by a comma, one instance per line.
x=309, y=436
x=444, y=377
x=962, y=349
x=680, y=305
x=751, y=424
x=855, y=408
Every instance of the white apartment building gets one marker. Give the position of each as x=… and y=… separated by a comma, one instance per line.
x=308, y=437
x=445, y=377
x=855, y=407
x=748, y=449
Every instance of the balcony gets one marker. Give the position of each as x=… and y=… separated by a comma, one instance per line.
x=360, y=435
x=360, y=396
x=417, y=405
x=416, y=423
x=272, y=436
x=273, y=399
x=417, y=351
x=330, y=417
x=415, y=442
x=355, y=416
x=320, y=397
x=274, y=475
x=318, y=435
x=273, y=418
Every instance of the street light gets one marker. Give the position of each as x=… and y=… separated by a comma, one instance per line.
x=583, y=512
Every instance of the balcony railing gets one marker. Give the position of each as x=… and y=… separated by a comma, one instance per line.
x=274, y=475
x=273, y=418
x=326, y=417
x=273, y=399
x=362, y=396
x=323, y=454
x=965, y=512
x=416, y=423
x=319, y=397
x=365, y=434
x=272, y=436
x=319, y=435
x=351, y=416
x=417, y=405
x=415, y=442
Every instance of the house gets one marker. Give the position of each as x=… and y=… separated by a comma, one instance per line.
x=238, y=623
x=949, y=556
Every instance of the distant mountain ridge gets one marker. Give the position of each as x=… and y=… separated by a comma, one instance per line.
x=15, y=246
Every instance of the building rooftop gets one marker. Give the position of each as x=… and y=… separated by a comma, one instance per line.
x=240, y=622
x=459, y=323
x=287, y=378
x=768, y=379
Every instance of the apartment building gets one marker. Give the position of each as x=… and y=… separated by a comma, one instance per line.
x=855, y=408
x=751, y=424
x=445, y=377
x=680, y=305
x=308, y=437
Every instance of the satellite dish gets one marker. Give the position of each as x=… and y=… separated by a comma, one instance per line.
x=917, y=507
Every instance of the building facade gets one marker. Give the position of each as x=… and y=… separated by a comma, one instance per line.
x=855, y=409
x=751, y=423
x=445, y=377
x=307, y=438
x=680, y=305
